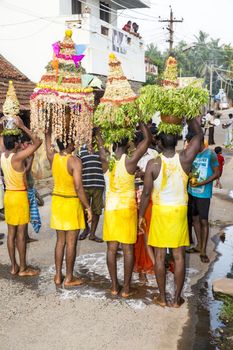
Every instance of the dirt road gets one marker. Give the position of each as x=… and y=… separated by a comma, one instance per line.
x=35, y=316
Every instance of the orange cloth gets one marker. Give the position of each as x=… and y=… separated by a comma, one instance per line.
x=142, y=261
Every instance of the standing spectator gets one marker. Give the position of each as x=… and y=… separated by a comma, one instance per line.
x=209, y=124
x=229, y=129
x=221, y=161
x=135, y=27
x=93, y=183
x=127, y=27
x=205, y=169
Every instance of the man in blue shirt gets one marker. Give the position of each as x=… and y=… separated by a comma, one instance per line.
x=205, y=169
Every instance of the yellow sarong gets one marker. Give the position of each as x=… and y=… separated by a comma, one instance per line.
x=66, y=211
x=16, y=206
x=66, y=214
x=169, y=226
x=120, y=214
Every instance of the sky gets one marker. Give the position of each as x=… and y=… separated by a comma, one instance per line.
x=212, y=16
x=22, y=42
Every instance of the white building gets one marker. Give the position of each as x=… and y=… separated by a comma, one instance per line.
x=150, y=67
x=38, y=24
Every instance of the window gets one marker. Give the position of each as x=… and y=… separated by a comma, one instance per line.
x=76, y=7
x=105, y=11
x=104, y=30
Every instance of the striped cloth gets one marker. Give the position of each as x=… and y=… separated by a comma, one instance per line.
x=92, y=175
x=34, y=210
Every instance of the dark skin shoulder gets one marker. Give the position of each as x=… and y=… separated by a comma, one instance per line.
x=131, y=162
x=188, y=155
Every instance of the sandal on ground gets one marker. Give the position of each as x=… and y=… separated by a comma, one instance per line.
x=83, y=235
x=192, y=250
x=95, y=239
x=204, y=259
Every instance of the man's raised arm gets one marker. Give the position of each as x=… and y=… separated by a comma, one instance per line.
x=194, y=145
x=141, y=148
x=36, y=141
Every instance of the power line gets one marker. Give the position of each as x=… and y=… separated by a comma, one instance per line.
x=127, y=8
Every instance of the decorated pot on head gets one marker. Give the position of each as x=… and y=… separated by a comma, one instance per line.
x=11, y=109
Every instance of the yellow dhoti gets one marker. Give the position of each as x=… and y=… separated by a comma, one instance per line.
x=67, y=214
x=16, y=208
x=169, y=226
x=120, y=214
x=120, y=225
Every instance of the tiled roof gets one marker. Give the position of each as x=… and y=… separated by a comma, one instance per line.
x=22, y=84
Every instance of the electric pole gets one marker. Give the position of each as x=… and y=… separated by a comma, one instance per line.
x=170, y=28
x=211, y=85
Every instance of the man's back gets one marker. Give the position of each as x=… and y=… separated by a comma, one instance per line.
x=202, y=168
x=170, y=187
x=92, y=174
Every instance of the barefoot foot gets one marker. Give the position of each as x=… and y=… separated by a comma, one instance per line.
x=29, y=272
x=177, y=303
x=14, y=270
x=58, y=279
x=142, y=278
x=115, y=290
x=158, y=300
x=128, y=293
x=74, y=282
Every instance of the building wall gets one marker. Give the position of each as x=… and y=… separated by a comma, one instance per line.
x=29, y=46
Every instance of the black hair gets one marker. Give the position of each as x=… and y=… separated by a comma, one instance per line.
x=10, y=141
x=189, y=136
x=25, y=138
x=61, y=145
x=168, y=140
x=218, y=149
x=122, y=143
x=230, y=115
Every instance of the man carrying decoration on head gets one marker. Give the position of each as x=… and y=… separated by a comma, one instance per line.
x=166, y=177
x=117, y=116
x=63, y=110
x=13, y=167
x=67, y=216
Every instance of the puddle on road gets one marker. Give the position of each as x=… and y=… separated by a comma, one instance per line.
x=93, y=268
x=208, y=307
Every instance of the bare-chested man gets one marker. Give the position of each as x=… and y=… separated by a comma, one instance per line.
x=166, y=178
x=67, y=216
x=16, y=200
